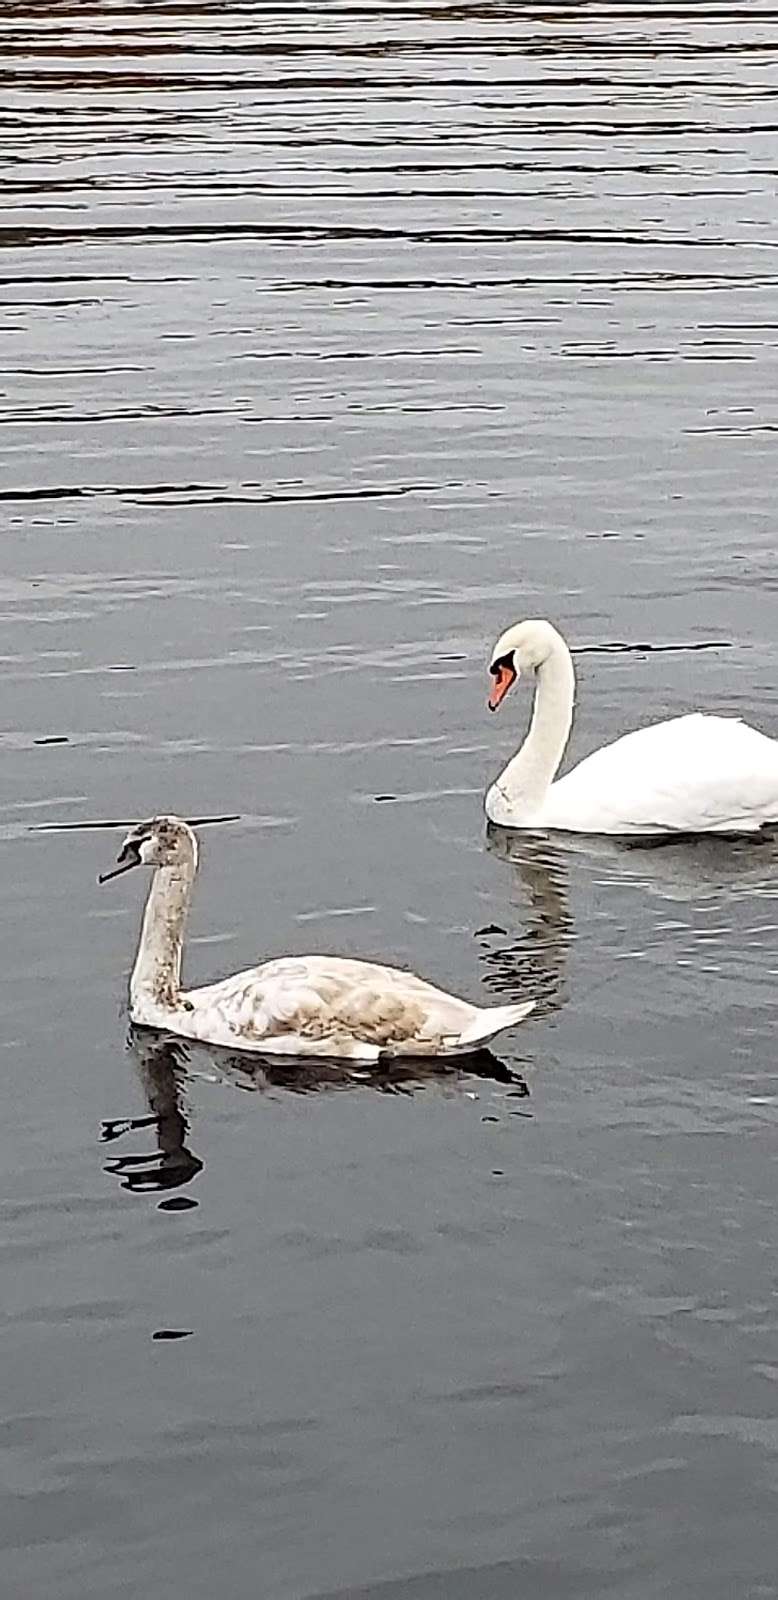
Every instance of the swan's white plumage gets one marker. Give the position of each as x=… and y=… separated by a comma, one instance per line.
x=318, y=1005
x=691, y=774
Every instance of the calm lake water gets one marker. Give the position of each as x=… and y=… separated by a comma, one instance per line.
x=332, y=343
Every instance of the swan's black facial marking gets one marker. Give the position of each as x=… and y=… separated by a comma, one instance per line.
x=130, y=854
x=128, y=857
x=503, y=664
x=158, y=842
x=505, y=674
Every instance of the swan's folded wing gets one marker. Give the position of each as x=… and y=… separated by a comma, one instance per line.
x=318, y=1002
x=691, y=774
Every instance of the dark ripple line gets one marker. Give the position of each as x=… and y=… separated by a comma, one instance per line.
x=477, y=46
x=738, y=433
x=393, y=88
x=661, y=280
x=619, y=280
x=13, y=237
x=619, y=647
x=13, y=280
x=148, y=413
x=64, y=372
x=123, y=822
x=215, y=494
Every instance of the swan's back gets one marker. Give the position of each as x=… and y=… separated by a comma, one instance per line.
x=336, y=1005
x=690, y=774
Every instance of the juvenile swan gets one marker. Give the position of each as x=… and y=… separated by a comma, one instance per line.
x=297, y=1005
x=692, y=774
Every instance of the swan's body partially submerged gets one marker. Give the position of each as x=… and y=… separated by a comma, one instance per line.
x=691, y=774
x=296, y=1005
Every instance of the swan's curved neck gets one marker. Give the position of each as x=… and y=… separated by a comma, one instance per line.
x=527, y=778
x=157, y=972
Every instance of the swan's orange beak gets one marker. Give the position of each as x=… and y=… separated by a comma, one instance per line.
x=504, y=676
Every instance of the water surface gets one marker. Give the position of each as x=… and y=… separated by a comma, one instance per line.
x=332, y=342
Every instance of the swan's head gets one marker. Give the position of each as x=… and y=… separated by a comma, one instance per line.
x=520, y=649
x=160, y=842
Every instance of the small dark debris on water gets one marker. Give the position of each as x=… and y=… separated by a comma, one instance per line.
x=173, y=1333
x=380, y=797
x=497, y=1172
x=53, y=738
x=491, y=927
x=115, y=1127
x=179, y=1202
x=490, y=1119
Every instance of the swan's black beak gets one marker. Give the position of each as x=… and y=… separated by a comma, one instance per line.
x=128, y=857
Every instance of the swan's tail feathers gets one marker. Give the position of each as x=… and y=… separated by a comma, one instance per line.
x=492, y=1021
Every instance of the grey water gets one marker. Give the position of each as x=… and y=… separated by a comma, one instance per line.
x=332, y=341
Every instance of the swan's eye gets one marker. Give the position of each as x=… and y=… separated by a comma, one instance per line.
x=504, y=674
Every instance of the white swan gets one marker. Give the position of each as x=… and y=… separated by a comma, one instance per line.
x=297, y=1005
x=691, y=774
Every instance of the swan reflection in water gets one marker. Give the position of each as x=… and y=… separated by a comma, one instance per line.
x=167, y=1067
x=680, y=867
x=534, y=961
x=695, y=868
x=161, y=1067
